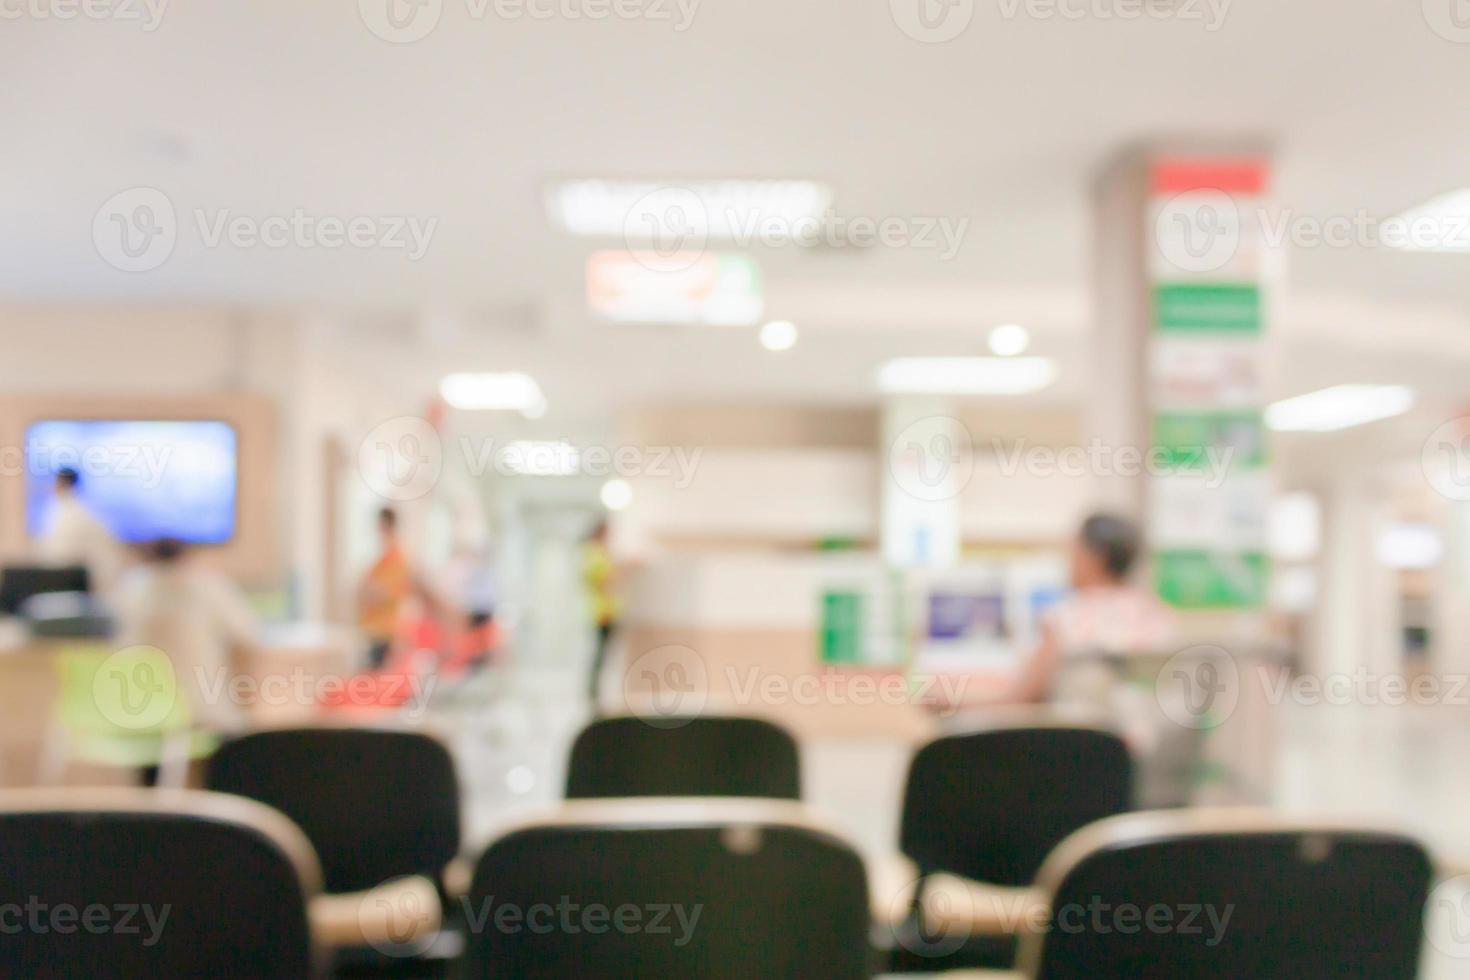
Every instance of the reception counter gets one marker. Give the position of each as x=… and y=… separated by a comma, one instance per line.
x=816, y=642
x=279, y=678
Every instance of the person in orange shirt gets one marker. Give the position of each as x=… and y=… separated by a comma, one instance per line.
x=385, y=588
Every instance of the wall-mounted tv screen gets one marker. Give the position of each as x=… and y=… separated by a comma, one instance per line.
x=143, y=479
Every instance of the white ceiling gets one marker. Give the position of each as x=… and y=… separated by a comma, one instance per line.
x=269, y=106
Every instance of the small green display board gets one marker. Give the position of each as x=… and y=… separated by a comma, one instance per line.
x=1184, y=438
x=1226, y=307
x=1212, y=580
x=842, y=628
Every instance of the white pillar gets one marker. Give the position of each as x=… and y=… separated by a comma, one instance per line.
x=1449, y=640
x=1117, y=408
x=928, y=461
x=1356, y=622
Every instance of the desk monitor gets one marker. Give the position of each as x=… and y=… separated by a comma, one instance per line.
x=19, y=582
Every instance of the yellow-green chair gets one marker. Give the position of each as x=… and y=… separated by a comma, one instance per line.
x=122, y=708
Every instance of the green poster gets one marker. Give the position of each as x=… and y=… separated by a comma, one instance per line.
x=1212, y=580
x=1234, y=308
x=842, y=628
x=1186, y=439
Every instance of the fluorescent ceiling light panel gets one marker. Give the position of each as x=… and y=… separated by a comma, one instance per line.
x=512, y=391
x=1406, y=545
x=1441, y=224
x=966, y=375
x=535, y=458
x=1339, y=407
x=701, y=209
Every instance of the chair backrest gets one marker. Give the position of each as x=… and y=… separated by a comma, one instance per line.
x=704, y=756
x=669, y=888
x=376, y=804
x=1211, y=895
x=140, y=883
x=991, y=805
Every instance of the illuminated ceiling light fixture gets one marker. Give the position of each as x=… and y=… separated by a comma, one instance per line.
x=511, y=391
x=714, y=209
x=779, y=335
x=1441, y=224
x=966, y=375
x=1339, y=407
x=1009, y=339
x=616, y=494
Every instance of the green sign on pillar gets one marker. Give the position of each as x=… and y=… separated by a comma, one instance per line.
x=1207, y=424
x=842, y=628
x=1211, y=307
x=1212, y=579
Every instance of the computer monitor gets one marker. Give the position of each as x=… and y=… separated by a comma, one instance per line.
x=19, y=582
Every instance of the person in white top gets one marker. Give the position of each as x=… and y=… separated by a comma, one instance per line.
x=75, y=536
x=1106, y=614
x=198, y=618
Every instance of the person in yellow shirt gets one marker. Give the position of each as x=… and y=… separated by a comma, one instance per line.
x=598, y=576
x=385, y=588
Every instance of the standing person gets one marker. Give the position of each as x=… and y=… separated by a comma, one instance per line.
x=598, y=576
x=75, y=536
x=384, y=590
x=198, y=618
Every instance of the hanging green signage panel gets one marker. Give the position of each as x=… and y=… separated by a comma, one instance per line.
x=1212, y=580
x=1232, y=307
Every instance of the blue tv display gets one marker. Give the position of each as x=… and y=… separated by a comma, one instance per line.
x=143, y=479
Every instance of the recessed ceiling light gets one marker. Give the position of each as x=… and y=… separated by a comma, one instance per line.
x=717, y=209
x=779, y=335
x=1339, y=407
x=966, y=375
x=512, y=391
x=1009, y=339
x=616, y=494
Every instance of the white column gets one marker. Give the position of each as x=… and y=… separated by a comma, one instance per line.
x=1356, y=622
x=1117, y=408
x=1449, y=641
x=928, y=461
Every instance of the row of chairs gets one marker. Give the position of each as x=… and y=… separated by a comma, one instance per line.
x=981, y=810
x=751, y=887
x=1000, y=825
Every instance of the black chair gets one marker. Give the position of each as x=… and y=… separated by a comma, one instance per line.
x=1264, y=897
x=990, y=806
x=721, y=890
x=376, y=804
x=129, y=883
x=704, y=756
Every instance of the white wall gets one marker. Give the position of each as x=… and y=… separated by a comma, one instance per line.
x=803, y=494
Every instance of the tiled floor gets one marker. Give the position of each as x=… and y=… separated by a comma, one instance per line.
x=1408, y=766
